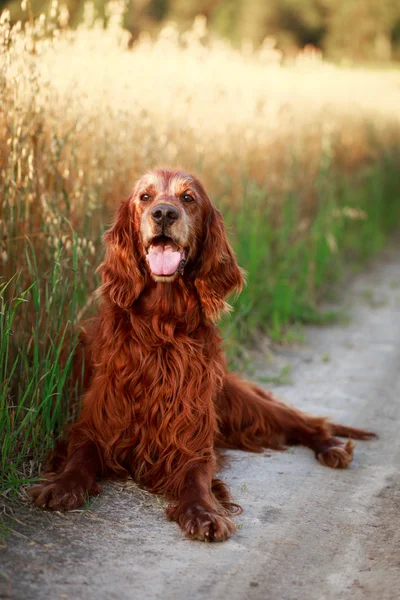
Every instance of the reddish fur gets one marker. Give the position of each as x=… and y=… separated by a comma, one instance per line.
x=158, y=397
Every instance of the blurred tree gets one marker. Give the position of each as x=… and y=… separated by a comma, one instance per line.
x=395, y=39
x=354, y=29
x=184, y=11
x=254, y=19
x=306, y=19
x=361, y=29
x=224, y=18
x=141, y=15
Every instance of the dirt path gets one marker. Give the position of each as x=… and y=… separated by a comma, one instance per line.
x=307, y=532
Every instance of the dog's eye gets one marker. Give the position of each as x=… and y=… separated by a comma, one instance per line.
x=145, y=197
x=187, y=198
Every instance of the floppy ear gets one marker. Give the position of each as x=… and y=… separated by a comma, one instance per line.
x=123, y=281
x=218, y=274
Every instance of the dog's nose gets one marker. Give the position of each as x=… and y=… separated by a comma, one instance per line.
x=164, y=214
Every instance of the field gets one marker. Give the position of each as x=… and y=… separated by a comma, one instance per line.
x=303, y=160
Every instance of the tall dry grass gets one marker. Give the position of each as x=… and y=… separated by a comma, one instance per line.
x=303, y=161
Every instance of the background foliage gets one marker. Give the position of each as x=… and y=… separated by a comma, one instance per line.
x=359, y=30
x=302, y=158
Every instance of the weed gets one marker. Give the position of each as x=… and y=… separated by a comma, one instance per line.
x=282, y=379
x=371, y=300
x=306, y=179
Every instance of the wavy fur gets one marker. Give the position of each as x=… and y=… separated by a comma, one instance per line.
x=158, y=397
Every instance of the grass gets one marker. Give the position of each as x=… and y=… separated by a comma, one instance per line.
x=283, y=378
x=289, y=272
x=35, y=328
x=307, y=182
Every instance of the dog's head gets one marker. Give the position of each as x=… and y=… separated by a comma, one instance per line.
x=169, y=230
x=169, y=209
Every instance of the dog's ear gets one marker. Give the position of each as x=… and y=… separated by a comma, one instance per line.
x=218, y=274
x=123, y=280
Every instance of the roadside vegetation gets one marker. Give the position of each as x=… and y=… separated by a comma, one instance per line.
x=303, y=160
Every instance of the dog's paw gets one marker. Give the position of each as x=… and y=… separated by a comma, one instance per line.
x=207, y=525
x=65, y=491
x=338, y=455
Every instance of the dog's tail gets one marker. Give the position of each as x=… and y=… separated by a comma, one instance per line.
x=351, y=432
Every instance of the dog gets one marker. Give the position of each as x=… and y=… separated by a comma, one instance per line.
x=159, y=401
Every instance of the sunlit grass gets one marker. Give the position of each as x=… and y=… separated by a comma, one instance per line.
x=302, y=160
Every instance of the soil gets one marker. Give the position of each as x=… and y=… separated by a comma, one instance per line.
x=307, y=532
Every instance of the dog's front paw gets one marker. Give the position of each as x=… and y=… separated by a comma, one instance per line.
x=65, y=491
x=207, y=525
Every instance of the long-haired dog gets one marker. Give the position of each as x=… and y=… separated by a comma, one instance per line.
x=158, y=398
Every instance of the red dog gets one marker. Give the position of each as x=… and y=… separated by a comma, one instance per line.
x=158, y=397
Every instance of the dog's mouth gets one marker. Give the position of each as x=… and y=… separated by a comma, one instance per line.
x=165, y=257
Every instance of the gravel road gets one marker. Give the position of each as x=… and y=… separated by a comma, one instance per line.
x=307, y=532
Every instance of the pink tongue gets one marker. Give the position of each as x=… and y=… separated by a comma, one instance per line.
x=163, y=260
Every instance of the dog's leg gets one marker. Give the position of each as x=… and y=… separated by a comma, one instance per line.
x=69, y=488
x=251, y=419
x=204, y=505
